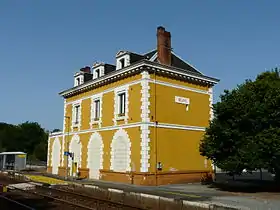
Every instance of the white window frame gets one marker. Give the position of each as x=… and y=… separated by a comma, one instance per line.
x=78, y=80
x=76, y=116
x=117, y=114
x=93, y=119
x=126, y=62
x=121, y=103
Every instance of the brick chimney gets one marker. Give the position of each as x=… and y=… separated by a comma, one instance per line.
x=163, y=46
x=86, y=69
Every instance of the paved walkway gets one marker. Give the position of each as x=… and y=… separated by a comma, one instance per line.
x=198, y=192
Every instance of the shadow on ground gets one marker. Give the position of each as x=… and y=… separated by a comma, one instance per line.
x=249, y=183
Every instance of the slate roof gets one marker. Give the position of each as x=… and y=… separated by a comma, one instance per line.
x=175, y=61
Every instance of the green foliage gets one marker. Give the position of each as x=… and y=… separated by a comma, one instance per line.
x=245, y=132
x=27, y=137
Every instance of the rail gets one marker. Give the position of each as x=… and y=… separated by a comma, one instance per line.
x=18, y=204
x=54, y=198
x=84, y=198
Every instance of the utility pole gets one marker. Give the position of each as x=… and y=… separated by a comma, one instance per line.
x=67, y=146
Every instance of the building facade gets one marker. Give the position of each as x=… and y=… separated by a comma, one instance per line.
x=140, y=121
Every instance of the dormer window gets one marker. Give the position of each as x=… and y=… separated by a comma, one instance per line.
x=78, y=81
x=97, y=71
x=122, y=63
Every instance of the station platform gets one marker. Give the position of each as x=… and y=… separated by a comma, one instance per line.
x=191, y=192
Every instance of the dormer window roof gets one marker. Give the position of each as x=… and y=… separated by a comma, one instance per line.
x=82, y=76
x=123, y=59
x=99, y=69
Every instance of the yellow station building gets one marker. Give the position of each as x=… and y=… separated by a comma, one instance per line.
x=139, y=121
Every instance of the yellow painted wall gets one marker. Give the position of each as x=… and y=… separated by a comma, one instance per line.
x=135, y=103
x=134, y=106
x=86, y=106
x=108, y=109
x=177, y=150
x=167, y=111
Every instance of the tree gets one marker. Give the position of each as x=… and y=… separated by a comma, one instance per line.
x=245, y=131
x=27, y=137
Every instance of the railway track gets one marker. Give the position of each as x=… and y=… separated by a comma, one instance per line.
x=8, y=203
x=87, y=201
x=71, y=199
x=59, y=197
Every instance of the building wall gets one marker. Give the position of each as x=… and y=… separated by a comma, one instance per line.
x=134, y=98
x=175, y=141
x=165, y=110
x=177, y=150
x=107, y=137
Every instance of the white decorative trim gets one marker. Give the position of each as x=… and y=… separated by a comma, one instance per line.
x=64, y=131
x=211, y=114
x=49, y=152
x=116, y=104
x=138, y=124
x=92, y=110
x=56, y=143
x=145, y=148
x=177, y=126
x=74, y=125
x=95, y=137
x=121, y=133
x=75, y=138
x=145, y=115
x=182, y=87
x=145, y=97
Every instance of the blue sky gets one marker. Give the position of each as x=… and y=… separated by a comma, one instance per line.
x=42, y=44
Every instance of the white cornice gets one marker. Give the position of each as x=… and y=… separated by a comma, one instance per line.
x=138, y=67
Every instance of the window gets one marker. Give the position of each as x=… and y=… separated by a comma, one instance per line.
x=78, y=81
x=96, y=104
x=122, y=61
x=97, y=71
x=77, y=110
x=121, y=101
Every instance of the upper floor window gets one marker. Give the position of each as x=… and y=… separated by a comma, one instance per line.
x=96, y=109
x=121, y=104
x=76, y=114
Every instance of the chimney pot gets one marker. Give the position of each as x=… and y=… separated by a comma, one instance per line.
x=163, y=46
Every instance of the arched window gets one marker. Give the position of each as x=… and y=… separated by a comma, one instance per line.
x=120, y=152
